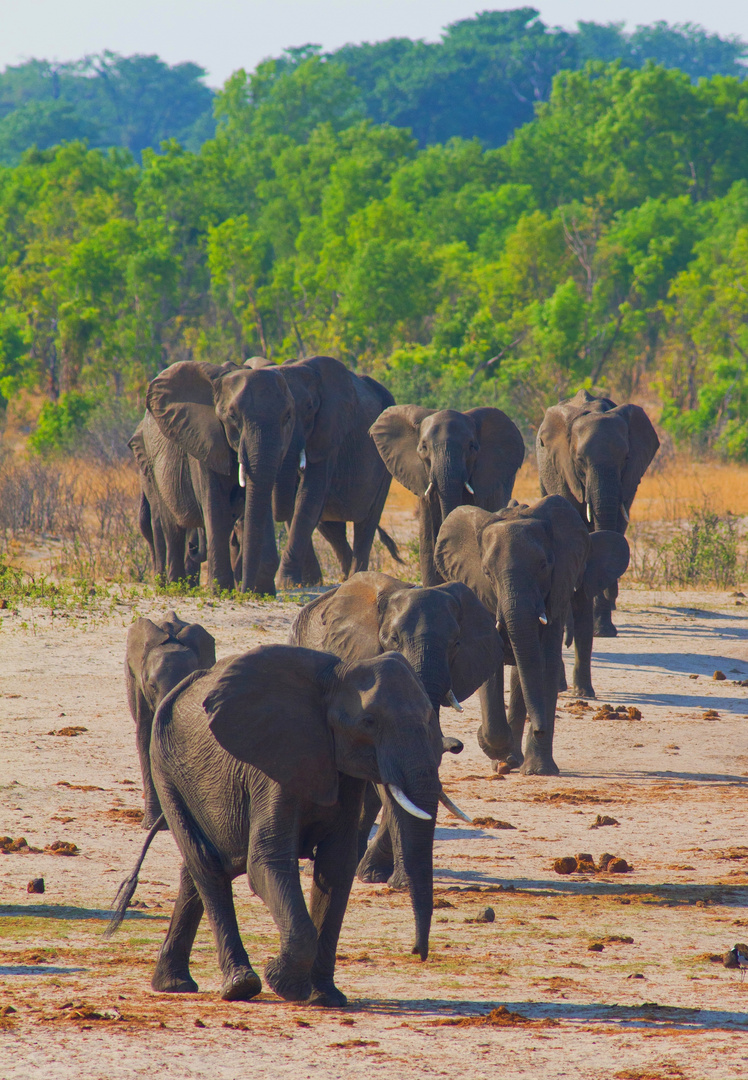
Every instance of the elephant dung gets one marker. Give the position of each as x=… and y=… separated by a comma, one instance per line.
x=719, y=676
x=567, y=865
x=36, y=885
x=62, y=847
x=492, y=823
x=603, y=819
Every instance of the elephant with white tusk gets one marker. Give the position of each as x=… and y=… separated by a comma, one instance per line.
x=262, y=761
x=594, y=453
x=443, y=631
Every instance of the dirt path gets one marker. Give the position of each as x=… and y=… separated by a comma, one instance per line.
x=654, y=1008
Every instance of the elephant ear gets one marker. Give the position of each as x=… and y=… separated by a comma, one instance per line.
x=607, y=561
x=571, y=543
x=144, y=635
x=480, y=652
x=202, y=644
x=344, y=621
x=332, y=387
x=553, y=442
x=457, y=553
x=643, y=445
x=396, y=432
x=502, y=451
x=137, y=445
x=268, y=708
x=181, y=401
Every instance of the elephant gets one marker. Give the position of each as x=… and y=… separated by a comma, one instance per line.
x=263, y=761
x=207, y=431
x=158, y=656
x=262, y=443
x=448, y=459
x=526, y=563
x=195, y=553
x=444, y=632
x=594, y=453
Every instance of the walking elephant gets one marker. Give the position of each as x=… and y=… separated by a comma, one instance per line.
x=449, y=459
x=261, y=444
x=594, y=453
x=262, y=761
x=526, y=563
x=158, y=656
x=444, y=632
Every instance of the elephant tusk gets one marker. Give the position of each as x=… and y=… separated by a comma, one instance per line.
x=400, y=797
x=428, y=489
x=544, y=619
x=468, y=487
x=447, y=802
x=302, y=459
x=625, y=513
x=242, y=476
x=453, y=701
x=589, y=513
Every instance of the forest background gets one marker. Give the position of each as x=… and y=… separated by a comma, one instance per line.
x=498, y=218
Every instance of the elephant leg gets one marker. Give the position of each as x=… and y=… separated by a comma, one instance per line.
x=274, y=877
x=143, y=726
x=365, y=531
x=176, y=542
x=312, y=569
x=335, y=534
x=371, y=807
x=517, y=712
x=603, y=622
x=334, y=869
x=219, y=523
x=539, y=747
x=310, y=500
x=495, y=736
x=583, y=632
x=172, y=974
x=240, y=981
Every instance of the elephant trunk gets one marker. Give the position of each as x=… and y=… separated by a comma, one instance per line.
x=523, y=627
x=413, y=847
x=428, y=659
x=260, y=467
x=605, y=498
x=449, y=476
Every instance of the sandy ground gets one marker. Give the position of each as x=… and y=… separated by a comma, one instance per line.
x=658, y=1007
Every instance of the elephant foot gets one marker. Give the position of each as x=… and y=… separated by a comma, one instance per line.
x=265, y=588
x=374, y=873
x=604, y=628
x=562, y=683
x=167, y=981
x=537, y=767
x=286, y=980
x=398, y=880
x=584, y=692
x=327, y=996
x=241, y=985
x=509, y=764
x=499, y=752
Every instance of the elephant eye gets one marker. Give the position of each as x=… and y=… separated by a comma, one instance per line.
x=368, y=723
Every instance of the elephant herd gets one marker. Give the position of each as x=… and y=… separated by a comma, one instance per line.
x=289, y=752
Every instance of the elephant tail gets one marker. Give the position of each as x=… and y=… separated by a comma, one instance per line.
x=127, y=889
x=390, y=544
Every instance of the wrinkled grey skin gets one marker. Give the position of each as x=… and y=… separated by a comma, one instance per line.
x=594, y=453
x=525, y=564
x=262, y=761
x=158, y=656
x=195, y=553
x=444, y=632
x=439, y=455
x=202, y=422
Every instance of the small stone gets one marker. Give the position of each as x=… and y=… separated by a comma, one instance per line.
x=719, y=676
x=567, y=865
x=36, y=885
x=596, y=946
x=7, y=1010
x=603, y=819
x=693, y=676
x=487, y=915
x=504, y=769
x=636, y=975
x=738, y=593
x=199, y=1023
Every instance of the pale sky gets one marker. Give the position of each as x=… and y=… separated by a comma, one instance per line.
x=223, y=35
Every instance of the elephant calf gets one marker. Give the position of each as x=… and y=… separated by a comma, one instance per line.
x=263, y=760
x=444, y=632
x=527, y=564
x=158, y=656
